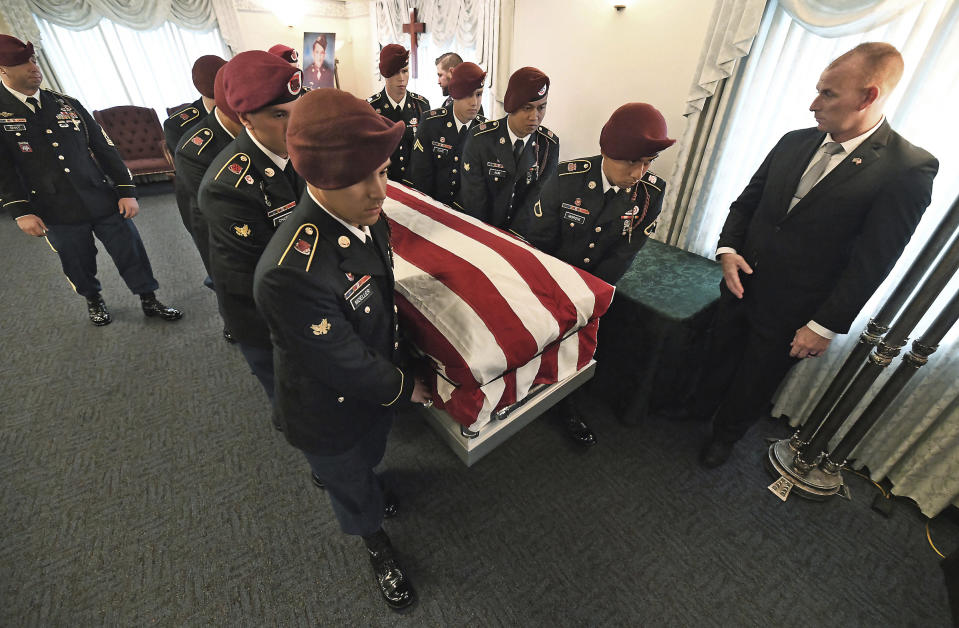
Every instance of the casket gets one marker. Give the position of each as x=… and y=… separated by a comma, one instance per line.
x=499, y=320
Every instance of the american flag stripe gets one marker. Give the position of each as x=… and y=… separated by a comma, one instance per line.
x=496, y=316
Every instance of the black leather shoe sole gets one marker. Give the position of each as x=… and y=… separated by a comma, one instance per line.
x=580, y=433
x=158, y=309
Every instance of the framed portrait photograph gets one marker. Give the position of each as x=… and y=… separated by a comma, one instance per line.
x=319, y=59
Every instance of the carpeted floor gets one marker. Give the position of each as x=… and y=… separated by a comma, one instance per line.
x=141, y=483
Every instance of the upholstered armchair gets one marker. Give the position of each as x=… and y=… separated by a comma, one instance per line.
x=137, y=134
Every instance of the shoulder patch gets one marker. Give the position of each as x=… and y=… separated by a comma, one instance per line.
x=185, y=116
x=549, y=135
x=416, y=96
x=653, y=181
x=574, y=166
x=198, y=141
x=234, y=170
x=375, y=97
x=480, y=118
x=299, y=252
x=486, y=127
x=435, y=113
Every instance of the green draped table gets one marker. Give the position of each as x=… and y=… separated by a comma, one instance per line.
x=653, y=338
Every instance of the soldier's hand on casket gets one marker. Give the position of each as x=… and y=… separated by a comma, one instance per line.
x=31, y=224
x=421, y=392
x=129, y=207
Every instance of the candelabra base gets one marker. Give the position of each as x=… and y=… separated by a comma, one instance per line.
x=817, y=485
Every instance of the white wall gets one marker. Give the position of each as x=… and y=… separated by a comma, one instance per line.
x=262, y=29
x=598, y=59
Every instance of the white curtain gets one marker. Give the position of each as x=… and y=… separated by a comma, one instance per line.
x=135, y=14
x=770, y=96
x=835, y=18
x=470, y=28
x=111, y=65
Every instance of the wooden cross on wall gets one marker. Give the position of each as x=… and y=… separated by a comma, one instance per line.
x=413, y=28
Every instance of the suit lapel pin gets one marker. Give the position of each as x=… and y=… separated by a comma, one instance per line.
x=856, y=160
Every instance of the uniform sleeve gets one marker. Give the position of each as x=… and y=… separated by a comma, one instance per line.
x=539, y=223
x=13, y=195
x=293, y=301
x=473, y=196
x=421, y=167
x=107, y=155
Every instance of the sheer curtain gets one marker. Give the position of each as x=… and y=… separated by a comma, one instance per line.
x=771, y=97
x=110, y=65
x=467, y=27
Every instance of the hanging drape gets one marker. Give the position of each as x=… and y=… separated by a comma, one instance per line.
x=835, y=18
x=768, y=96
x=469, y=27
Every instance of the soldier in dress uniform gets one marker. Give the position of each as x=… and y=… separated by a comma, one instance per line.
x=56, y=160
x=204, y=69
x=325, y=287
x=198, y=148
x=435, y=162
x=397, y=103
x=319, y=73
x=596, y=213
x=506, y=162
x=247, y=191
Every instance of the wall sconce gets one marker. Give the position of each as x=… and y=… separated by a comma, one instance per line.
x=619, y=7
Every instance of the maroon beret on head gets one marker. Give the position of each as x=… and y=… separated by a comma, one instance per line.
x=204, y=73
x=525, y=85
x=336, y=139
x=634, y=131
x=466, y=78
x=393, y=58
x=256, y=79
x=285, y=52
x=13, y=51
x=219, y=96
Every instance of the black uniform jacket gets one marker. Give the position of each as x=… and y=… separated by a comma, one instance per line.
x=176, y=125
x=435, y=163
x=494, y=187
x=823, y=259
x=47, y=168
x=244, y=197
x=198, y=147
x=328, y=299
x=573, y=220
x=413, y=111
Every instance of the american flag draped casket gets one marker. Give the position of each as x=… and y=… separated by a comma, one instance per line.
x=496, y=316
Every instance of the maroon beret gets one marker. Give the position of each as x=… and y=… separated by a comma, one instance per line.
x=204, y=73
x=393, y=58
x=336, y=139
x=466, y=78
x=634, y=131
x=525, y=85
x=13, y=51
x=219, y=96
x=285, y=52
x=256, y=79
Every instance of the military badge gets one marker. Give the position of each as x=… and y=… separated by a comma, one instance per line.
x=549, y=133
x=483, y=127
x=302, y=246
x=185, y=115
x=571, y=167
x=25, y=147
x=343, y=241
x=591, y=185
x=197, y=140
x=248, y=179
x=242, y=231
x=502, y=140
x=269, y=172
x=418, y=146
x=235, y=168
x=378, y=111
x=652, y=178
x=449, y=124
x=5, y=114
x=578, y=202
x=413, y=121
x=855, y=160
x=107, y=137
x=349, y=276
x=309, y=230
x=321, y=328
x=466, y=167
x=538, y=210
x=542, y=90
x=242, y=157
x=295, y=83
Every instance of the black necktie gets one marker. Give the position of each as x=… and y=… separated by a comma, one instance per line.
x=609, y=195
x=290, y=174
x=462, y=134
x=34, y=102
x=518, y=146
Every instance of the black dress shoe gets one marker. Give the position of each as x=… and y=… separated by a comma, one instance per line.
x=152, y=307
x=579, y=431
x=715, y=453
x=395, y=587
x=97, y=310
x=229, y=337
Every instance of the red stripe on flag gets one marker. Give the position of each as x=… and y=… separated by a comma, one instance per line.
x=474, y=288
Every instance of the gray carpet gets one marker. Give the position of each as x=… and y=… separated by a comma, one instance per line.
x=142, y=484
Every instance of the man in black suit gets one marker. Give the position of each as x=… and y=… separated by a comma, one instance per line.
x=817, y=229
x=506, y=161
x=396, y=103
x=435, y=162
x=56, y=161
x=247, y=191
x=325, y=287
